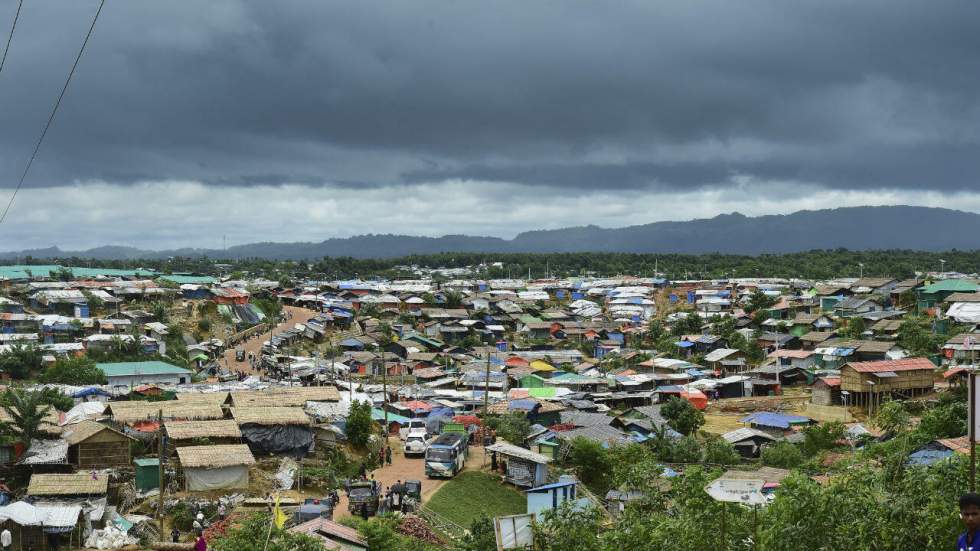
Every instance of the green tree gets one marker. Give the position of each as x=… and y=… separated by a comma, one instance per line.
x=919, y=341
x=719, y=451
x=72, y=370
x=784, y=455
x=945, y=421
x=160, y=312
x=480, y=537
x=682, y=415
x=567, y=528
x=686, y=450
x=822, y=437
x=453, y=299
x=892, y=417
x=56, y=399
x=513, y=427
x=26, y=411
x=759, y=301
x=359, y=423
x=20, y=361
x=251, y=535
x=591, y=463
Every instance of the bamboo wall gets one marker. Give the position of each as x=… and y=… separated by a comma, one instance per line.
x=103, y=450
x=853, y=381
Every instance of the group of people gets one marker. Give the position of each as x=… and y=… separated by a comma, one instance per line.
x=199, y=526
x=394, y=498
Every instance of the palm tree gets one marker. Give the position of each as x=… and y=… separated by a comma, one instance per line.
x=26, y=411
x=454, y=299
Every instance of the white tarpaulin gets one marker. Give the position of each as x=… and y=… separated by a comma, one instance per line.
x=82, y=411
x=47, y=515
x=964, y=312
x=203, y=480
x=514, y=532
x=746, y=492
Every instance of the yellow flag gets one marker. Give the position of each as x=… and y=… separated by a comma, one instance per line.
x=278, y=517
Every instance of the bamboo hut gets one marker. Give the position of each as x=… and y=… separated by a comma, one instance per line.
x=868, y=382
x=95, y=446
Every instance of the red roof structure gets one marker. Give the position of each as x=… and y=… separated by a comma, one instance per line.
x=907, y=364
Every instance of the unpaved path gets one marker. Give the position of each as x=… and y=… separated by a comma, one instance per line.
x=254, y=344
x=410, y=468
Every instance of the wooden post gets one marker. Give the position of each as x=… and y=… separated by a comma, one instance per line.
x=972, y=432
x=724, y=538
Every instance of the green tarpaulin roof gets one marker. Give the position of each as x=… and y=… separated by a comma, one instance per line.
x=954, y=285
x=191, y=279
x=122, y=369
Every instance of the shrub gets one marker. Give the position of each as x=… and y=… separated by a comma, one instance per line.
x=784, y=455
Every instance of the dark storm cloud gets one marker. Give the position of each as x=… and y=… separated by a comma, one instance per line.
x=672, y=95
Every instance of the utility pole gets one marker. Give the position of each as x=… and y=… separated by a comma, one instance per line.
x=384, y=385
x=160, y=456
x=486, y=389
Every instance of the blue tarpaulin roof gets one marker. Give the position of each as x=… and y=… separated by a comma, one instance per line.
x=524, y=405
x=441, y=412
x=928, y=457
x=90, y=391
x=775, y=420
x=695, y=373
x=684, y=344
x=553, y=486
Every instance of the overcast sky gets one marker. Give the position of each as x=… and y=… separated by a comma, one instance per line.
x=302, y=120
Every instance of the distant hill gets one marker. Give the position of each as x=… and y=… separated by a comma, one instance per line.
x=855, y=228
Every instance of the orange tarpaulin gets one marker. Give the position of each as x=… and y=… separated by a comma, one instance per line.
x=696, y=397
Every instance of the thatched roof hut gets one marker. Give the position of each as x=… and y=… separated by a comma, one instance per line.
x=77, y=484
x=133, y=412
x=196, y=433
x=216, y=467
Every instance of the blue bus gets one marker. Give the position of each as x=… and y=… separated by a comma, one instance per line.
x=446, y=455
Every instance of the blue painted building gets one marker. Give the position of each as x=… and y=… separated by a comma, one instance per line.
x=551, y=496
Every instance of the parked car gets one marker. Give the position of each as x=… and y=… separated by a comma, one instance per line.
x=412, y=424
x=416, y=443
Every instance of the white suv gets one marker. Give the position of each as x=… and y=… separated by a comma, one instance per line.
x=416, y=442
x=413, y=424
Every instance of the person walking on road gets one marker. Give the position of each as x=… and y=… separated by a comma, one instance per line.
x=388, y=455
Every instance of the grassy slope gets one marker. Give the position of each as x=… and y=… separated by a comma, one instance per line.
x=472, y=494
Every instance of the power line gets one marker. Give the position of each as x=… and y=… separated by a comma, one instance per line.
x=54, y=111
x=11, y=35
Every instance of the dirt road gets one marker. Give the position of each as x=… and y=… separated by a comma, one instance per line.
x=410, y=468
x=254, y=344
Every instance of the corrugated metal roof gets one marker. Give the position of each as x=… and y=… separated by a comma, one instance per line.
x=907, y=364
